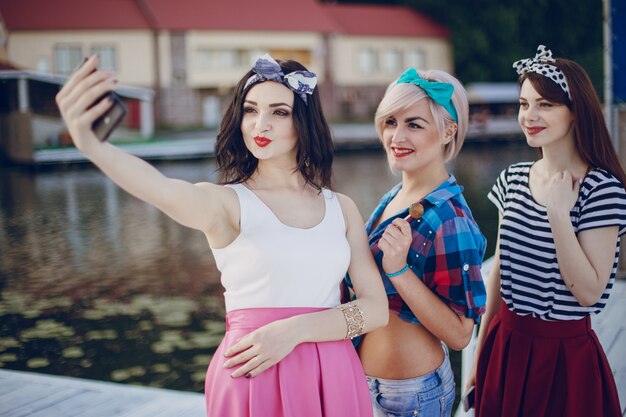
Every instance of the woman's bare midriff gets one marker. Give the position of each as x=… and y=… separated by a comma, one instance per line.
x=400, y=350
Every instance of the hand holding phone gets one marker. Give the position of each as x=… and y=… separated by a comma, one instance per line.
x=468, y=399
x=104, y=125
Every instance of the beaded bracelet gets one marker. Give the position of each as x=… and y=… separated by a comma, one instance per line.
x=354, y=319
x=400, y=272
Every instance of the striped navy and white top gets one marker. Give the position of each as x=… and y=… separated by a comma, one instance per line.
x=531, y=283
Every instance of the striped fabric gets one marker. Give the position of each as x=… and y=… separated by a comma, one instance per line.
x=530, y=276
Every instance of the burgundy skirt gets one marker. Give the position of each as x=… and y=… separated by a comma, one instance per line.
x=532, y=367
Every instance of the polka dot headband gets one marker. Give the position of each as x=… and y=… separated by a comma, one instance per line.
x=540, y=64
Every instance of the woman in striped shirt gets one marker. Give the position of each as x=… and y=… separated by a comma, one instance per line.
x=556, y=258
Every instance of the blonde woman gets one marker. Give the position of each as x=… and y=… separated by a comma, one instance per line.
x=428, y=249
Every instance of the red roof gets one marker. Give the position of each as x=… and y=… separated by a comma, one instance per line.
x=258, y=15
x=384, y=21
x=298, y=15
x=71, y=14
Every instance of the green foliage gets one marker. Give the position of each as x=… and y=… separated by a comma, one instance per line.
x=488, y=36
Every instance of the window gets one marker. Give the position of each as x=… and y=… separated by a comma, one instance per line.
x=367, y=61
x=415, y=59
x=218, y=59
x=107, y=57
x=67, y=58
x=43, y=64
x=392, y=61
x=255, y=54
x=303, y=56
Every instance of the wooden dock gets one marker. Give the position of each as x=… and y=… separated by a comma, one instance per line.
x=201, y=144
x=36, y=395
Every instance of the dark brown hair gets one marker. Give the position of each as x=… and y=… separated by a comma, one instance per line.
x=591, y=134
x=314, y=155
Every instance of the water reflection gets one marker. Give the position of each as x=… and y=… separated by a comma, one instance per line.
x=97, y=284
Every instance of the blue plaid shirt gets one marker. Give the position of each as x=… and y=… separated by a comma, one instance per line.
x=446, y=252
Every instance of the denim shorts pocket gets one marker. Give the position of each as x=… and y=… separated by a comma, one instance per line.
x=438, y=401
x=398, y=404
x=447, y=401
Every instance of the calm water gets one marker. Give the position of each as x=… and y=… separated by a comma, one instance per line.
x=96, y=284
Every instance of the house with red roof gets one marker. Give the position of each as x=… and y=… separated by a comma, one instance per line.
x=191, y=53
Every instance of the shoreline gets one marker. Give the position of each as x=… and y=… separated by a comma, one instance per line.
x=201, y=144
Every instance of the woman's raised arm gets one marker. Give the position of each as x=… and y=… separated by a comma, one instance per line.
x=200, y=206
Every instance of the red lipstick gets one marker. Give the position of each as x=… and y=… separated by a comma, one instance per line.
x=262, y=141
x=401, y=152
x=534, y=130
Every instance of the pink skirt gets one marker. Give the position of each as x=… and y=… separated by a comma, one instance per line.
x=323, y=379
x=530, y=367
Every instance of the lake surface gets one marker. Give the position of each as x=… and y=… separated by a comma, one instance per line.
x=97, y=284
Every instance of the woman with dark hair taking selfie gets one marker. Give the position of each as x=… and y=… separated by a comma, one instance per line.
x=281, y=238
x=556, y=257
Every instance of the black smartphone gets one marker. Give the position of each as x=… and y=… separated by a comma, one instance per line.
x=468, y=399
x=104, y=125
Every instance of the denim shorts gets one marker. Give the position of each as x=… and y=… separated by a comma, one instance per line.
x=430, y=395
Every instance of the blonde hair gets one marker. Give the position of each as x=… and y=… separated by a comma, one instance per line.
x=400, y=97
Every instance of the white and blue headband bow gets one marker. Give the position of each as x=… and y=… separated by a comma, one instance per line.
x=541, y=64
x=267, y=69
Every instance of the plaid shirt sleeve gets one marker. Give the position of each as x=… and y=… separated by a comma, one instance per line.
x=452, y=267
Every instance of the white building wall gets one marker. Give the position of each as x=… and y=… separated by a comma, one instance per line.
x=248, y=46
x=347, y=58
x=134, y=51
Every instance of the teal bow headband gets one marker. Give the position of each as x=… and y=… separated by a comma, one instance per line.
x=440, y=93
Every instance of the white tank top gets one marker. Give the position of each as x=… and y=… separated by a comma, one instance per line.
x=271, y=264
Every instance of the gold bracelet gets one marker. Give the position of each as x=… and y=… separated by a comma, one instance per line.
x=354, y=319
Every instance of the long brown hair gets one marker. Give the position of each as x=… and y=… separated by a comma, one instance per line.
x=591, y=134
x=314, y=155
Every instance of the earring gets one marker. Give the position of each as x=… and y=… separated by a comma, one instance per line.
x=307, y=162
x=451, y=131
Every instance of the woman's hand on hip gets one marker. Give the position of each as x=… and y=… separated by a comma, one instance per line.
x=395, y=243
x=260, y=349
